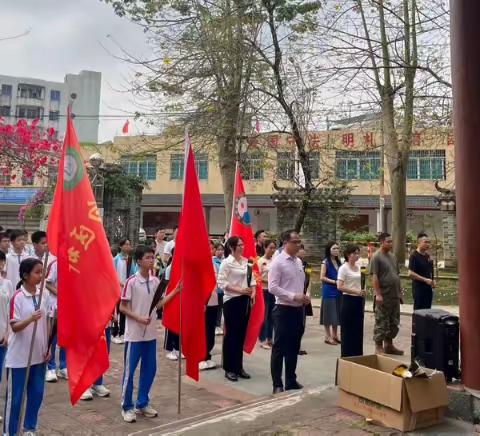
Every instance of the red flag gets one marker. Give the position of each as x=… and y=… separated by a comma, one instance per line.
x=241, y=226
x=88, y=287
x=125, y=127
x=192, y=268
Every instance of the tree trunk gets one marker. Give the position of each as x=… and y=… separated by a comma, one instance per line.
x=227, y=161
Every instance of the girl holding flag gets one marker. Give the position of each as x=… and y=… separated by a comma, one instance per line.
x=26, y=309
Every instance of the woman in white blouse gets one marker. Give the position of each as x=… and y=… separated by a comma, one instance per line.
x=349, y=281
x=236, y=280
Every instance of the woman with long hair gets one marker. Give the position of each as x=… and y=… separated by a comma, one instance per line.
x=236, y=279
x=331, y=301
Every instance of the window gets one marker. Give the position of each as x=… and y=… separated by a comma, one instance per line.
x=144, y=167
x=54, y=95
x=177, y=164
x=251, y=166
x=30, y=91
x=5, y=176
x=4, y=111
x=358, y=165
x=285, y=166
x=426, y=165
x=201, y=165
x=27, y=179
x=7, y=90
x=54, y=115
x=29, y=112
x=314, y=158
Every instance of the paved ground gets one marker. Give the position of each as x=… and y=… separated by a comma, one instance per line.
x=216, y=406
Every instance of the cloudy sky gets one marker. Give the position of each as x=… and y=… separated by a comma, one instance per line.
x=67, y=36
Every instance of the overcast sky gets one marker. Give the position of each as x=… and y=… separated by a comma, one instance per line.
x=66, y=36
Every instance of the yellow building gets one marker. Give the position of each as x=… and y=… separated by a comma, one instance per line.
x=353, y=155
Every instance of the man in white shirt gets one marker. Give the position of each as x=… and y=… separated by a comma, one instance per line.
x=15, y=256
x=169, y=246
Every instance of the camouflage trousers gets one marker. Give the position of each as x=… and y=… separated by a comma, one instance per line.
x=387, y=320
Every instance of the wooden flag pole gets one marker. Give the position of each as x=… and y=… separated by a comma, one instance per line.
x=30, y=353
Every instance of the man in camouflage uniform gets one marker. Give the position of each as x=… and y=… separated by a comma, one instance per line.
x=386, y=282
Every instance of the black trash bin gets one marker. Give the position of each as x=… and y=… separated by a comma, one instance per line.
x=435, y=341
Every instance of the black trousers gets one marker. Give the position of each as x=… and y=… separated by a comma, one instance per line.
x=220, y=310
x=210, y=324
x=351, y=321
x=422, y=299
x=121, y=321
x=171, y=341
x=287, y=334
x=236, y=313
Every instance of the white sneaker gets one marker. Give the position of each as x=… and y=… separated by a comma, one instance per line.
x=62, y=373
x=218, y=331
x=211, y=364
x=51, y=376
x=121, y=339
x=29, y=433
x=148, y=412
x=172, y=355
x=116, y=340
x=202, y=366
x=100, y=390
x=129, y=415
x=87, y=395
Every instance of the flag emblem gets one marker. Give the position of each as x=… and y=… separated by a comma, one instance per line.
x=73, y=171
x=241, y=210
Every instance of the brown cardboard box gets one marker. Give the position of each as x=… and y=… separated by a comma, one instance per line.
x=367, y=387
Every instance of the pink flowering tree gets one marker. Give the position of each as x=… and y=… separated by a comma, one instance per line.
x=28, y=151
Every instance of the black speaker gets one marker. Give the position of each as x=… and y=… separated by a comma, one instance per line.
x=435, y=341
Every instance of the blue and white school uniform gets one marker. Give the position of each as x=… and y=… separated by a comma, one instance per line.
x=12, y=266
x=22, y=305
x=52, y=278
x=140, y=341
x=6, y=293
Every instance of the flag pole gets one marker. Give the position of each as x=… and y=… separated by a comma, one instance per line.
x=30, y=353
x=179, y=382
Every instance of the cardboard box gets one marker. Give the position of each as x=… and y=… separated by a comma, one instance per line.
x=367, y=387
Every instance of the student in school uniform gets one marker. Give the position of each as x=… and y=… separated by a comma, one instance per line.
x=26, y=309
x=140, y=335
x=125, y=268
x=171, y=343
x=6, y=293
x=16, y=255
x=53, y=372
x=39, y=242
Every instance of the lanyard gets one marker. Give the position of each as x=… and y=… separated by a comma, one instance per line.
x=148, y=285
x=36, y=305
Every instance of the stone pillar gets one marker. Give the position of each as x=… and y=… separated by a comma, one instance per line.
x=465, y=34
x=449, y=226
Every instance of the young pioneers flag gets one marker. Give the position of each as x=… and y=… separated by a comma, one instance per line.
x=192, y=269
x=241, y=226
x=88, y=287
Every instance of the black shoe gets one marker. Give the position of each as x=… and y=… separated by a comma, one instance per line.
x=293, y=386
x=231, y=376
x=243, y=374
x=302, y=353
x=278, y=390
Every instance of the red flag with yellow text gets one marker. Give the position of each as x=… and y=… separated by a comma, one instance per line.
x=88, y=287
x=192, y=268
x=241, y=226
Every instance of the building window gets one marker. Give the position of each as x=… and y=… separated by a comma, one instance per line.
x=5, y=177
x=426, y=165
x=30, y=112
x=358, y=165
x=27, y=179
x=314, y=159
x=285, y=166
x=4, y=111
x=30, y=91
x=145, y=167
x=7, y=90
x=177, y=165
x=54, y=95
x=201, y=165
x=54, y=115
x=251, y=166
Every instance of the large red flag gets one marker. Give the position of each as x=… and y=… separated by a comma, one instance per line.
x=88, y=288
x=241, y=226
x=192, y=268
